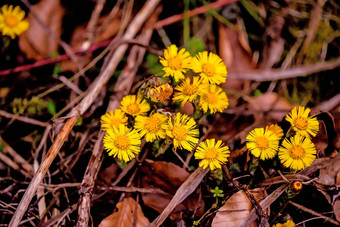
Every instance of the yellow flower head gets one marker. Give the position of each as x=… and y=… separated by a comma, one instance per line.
x=213, y=98
x=297, y=153
x=113, y=119
x=183, y=131
x=262, y=143
x=186, y=91
x=277, y=130
x=176, y=63
x=134, y=105
x=160, y=93
x=288, y=223
x=301, y=123
x=12, y=21
x=122, y=143
x=211, y=68
x=213, y=155
x=153, y=127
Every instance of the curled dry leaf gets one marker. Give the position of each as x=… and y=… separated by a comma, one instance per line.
x=237, y=208
x=330, y=175
x=336, y=208
x=129, y=212
x=168, y=177
x=36, y=43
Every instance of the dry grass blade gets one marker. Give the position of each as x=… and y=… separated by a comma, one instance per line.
x=264, y=204
x=183, y=192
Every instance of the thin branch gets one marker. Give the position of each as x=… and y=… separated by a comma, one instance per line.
x=312, y=212
x=24, y=119
x=279, y=74
x=80, y=109
x=191, y=13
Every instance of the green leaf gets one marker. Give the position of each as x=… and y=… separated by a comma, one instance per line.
x=51, y=107
x=195, y=45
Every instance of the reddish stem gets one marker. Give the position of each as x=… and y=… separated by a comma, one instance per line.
x=194, y=12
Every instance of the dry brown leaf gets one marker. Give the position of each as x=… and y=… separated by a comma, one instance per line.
x=109, y=173
x=270, y=101
x=328, y=175
x=336, y=209
x=35, y=42
x=235, y=53
x=237, y=208
x=77, y=39
x=168, y=177
x=125, y=216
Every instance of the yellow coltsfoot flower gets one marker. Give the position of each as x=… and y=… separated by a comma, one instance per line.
x=301, y=123
x=122, y=143
x=187, y=91
x=160, y=93
x=212, y=154
x=153, y=127
x=210, y=67
x=182, y=129
x=288, y=223
x=176, y=63
x=134, y=105
x=262, y=143
x=297, y=153
x=277, y=130
x=113, y=119
x=12, y=21
x=213, y=98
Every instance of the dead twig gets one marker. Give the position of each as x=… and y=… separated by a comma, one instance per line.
x=312, y=212
x=191, y=13
x=23, y=119
x=279, y=74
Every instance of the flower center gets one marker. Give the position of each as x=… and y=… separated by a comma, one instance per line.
x=133, y=108
x=122, y=142
x=179, y=132
x=297, y=152
x=152, y=124
x=211, y=153
x=208, y=69
x=262, y=142
x=175, y=63
x=211, y=98
x=190, y=90
x=301, y=123
x=11, y=21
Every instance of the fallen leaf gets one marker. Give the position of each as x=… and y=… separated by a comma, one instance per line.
x=77, y=40
x=270, y=101
x=125, y=216
x=36, y=43
x=328, y=175
x=109, y=173
x=237, y=208
x=236, y=53
x=168, y=177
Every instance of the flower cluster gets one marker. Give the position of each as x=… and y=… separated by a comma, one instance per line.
x=201, y=86
x=197, y=80
x=296, y=151
x=12, y=21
